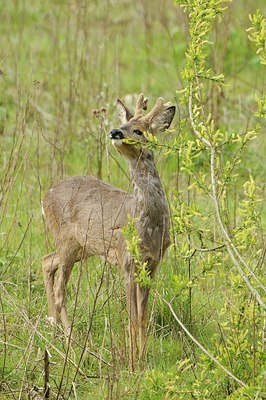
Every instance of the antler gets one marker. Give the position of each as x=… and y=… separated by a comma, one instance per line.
x=141, y=105
x=158, y=118
x=159, y=107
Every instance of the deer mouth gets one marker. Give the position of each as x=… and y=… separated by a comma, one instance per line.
x=117, y=137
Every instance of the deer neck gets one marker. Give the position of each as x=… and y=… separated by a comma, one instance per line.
x=151, y=212
x=145, y=180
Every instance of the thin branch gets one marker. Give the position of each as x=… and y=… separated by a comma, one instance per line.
x=202, y=348
x=230, y=245
x=232, y=250
x=24, y=317
x=206, y=250
x=46, y=375
x=196, y=132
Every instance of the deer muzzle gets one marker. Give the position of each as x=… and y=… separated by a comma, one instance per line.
x=116, y=135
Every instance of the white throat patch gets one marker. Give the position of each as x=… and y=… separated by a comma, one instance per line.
x=117, y=142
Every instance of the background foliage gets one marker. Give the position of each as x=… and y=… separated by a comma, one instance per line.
x=61, y=61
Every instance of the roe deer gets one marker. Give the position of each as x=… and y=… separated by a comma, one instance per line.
x=85, y=217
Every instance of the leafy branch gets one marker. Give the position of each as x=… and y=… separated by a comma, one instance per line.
x=195, y=67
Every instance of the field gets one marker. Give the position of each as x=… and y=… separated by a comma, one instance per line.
x=59, y=62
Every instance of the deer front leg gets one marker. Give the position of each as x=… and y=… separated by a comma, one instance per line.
x=50, y=264
x=131, y=298
x=142, y=308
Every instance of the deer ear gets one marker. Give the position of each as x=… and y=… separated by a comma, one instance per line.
x=162, y=121
x=123, y=112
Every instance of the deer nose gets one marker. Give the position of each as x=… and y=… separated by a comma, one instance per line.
x=116, y=134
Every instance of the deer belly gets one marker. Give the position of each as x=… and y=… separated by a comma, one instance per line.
x=102, y=242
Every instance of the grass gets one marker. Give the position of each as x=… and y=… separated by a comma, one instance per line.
x=59, y=62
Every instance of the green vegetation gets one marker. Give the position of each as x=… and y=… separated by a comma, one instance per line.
x=62, y=65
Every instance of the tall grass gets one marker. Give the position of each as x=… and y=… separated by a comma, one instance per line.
x=59, y=62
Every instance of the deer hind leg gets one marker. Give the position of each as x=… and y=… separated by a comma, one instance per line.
x=131, y=298
x=50, y=264
x=142, y=308
x=66, y=263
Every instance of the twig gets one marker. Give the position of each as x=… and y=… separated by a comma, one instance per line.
x=196, y=132
x=74, y=390
x=202, y=348
x=27, y=320
x=46, y=375
x=232, y=250
x=230, y=245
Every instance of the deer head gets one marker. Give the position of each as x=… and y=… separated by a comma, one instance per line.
x=135, y=125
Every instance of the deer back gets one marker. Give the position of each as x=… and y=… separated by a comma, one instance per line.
x=87, y=213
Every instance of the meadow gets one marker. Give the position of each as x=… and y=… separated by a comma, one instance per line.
x=59, y=62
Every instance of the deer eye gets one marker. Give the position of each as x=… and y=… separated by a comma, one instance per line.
x=137, y=131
